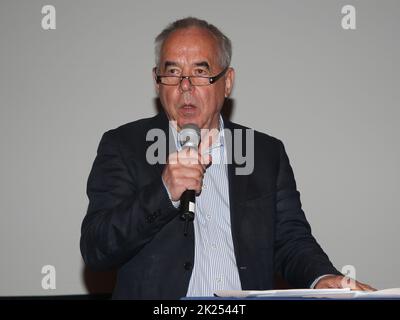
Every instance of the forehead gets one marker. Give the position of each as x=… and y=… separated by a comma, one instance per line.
x=189, y=46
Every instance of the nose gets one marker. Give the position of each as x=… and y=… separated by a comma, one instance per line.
x=186, y=84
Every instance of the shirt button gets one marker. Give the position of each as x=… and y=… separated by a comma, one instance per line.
x=219, y=279
x=187, y=265
x=214, y=246
x=208, y=217
x=204, y=186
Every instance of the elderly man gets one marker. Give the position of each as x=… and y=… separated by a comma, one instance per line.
x=246, y=229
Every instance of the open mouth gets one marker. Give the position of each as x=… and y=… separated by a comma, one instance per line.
x=188, y=109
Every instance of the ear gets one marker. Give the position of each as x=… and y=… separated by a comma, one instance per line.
x=229, y=80
x=156, y=85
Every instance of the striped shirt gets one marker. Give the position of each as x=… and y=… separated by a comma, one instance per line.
x=214, y=261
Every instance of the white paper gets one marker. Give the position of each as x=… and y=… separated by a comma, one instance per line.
x=309, y=293
x=386, y=293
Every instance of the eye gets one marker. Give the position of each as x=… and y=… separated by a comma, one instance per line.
x=173, y=71
x=200, y=72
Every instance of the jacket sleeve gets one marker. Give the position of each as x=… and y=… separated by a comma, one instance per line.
x=299, y=259
x=121, y=218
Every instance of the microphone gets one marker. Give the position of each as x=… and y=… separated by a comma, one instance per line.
x=189, y=137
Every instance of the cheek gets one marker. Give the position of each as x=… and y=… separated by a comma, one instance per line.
x=214, y=98
x=168, y=97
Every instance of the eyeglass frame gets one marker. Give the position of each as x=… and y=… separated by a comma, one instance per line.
x=211, y=80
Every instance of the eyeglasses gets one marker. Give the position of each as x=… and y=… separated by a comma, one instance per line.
x=194, y=80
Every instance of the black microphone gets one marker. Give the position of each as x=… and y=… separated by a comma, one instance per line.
x=189, y=137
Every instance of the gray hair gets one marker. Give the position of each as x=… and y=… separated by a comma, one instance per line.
x=225, y=45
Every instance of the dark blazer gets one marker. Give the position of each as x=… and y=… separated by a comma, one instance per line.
x=131, y=224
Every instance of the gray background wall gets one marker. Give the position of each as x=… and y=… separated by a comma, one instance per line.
x=330, y=94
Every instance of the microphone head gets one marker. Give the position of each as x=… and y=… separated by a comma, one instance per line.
x=189, y=136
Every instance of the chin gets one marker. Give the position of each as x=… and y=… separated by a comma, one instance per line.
x=187, y=120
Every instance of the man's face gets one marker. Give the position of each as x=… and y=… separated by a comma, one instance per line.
x=193, y=52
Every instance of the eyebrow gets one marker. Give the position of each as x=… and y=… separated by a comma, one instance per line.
x=170, y=63
x=197, y=64
x=203, y=64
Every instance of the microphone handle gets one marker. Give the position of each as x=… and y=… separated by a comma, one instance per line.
x=188, y=200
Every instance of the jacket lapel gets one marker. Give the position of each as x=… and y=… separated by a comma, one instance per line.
x=237, y=183
x=160, y=121
x=237, y=193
